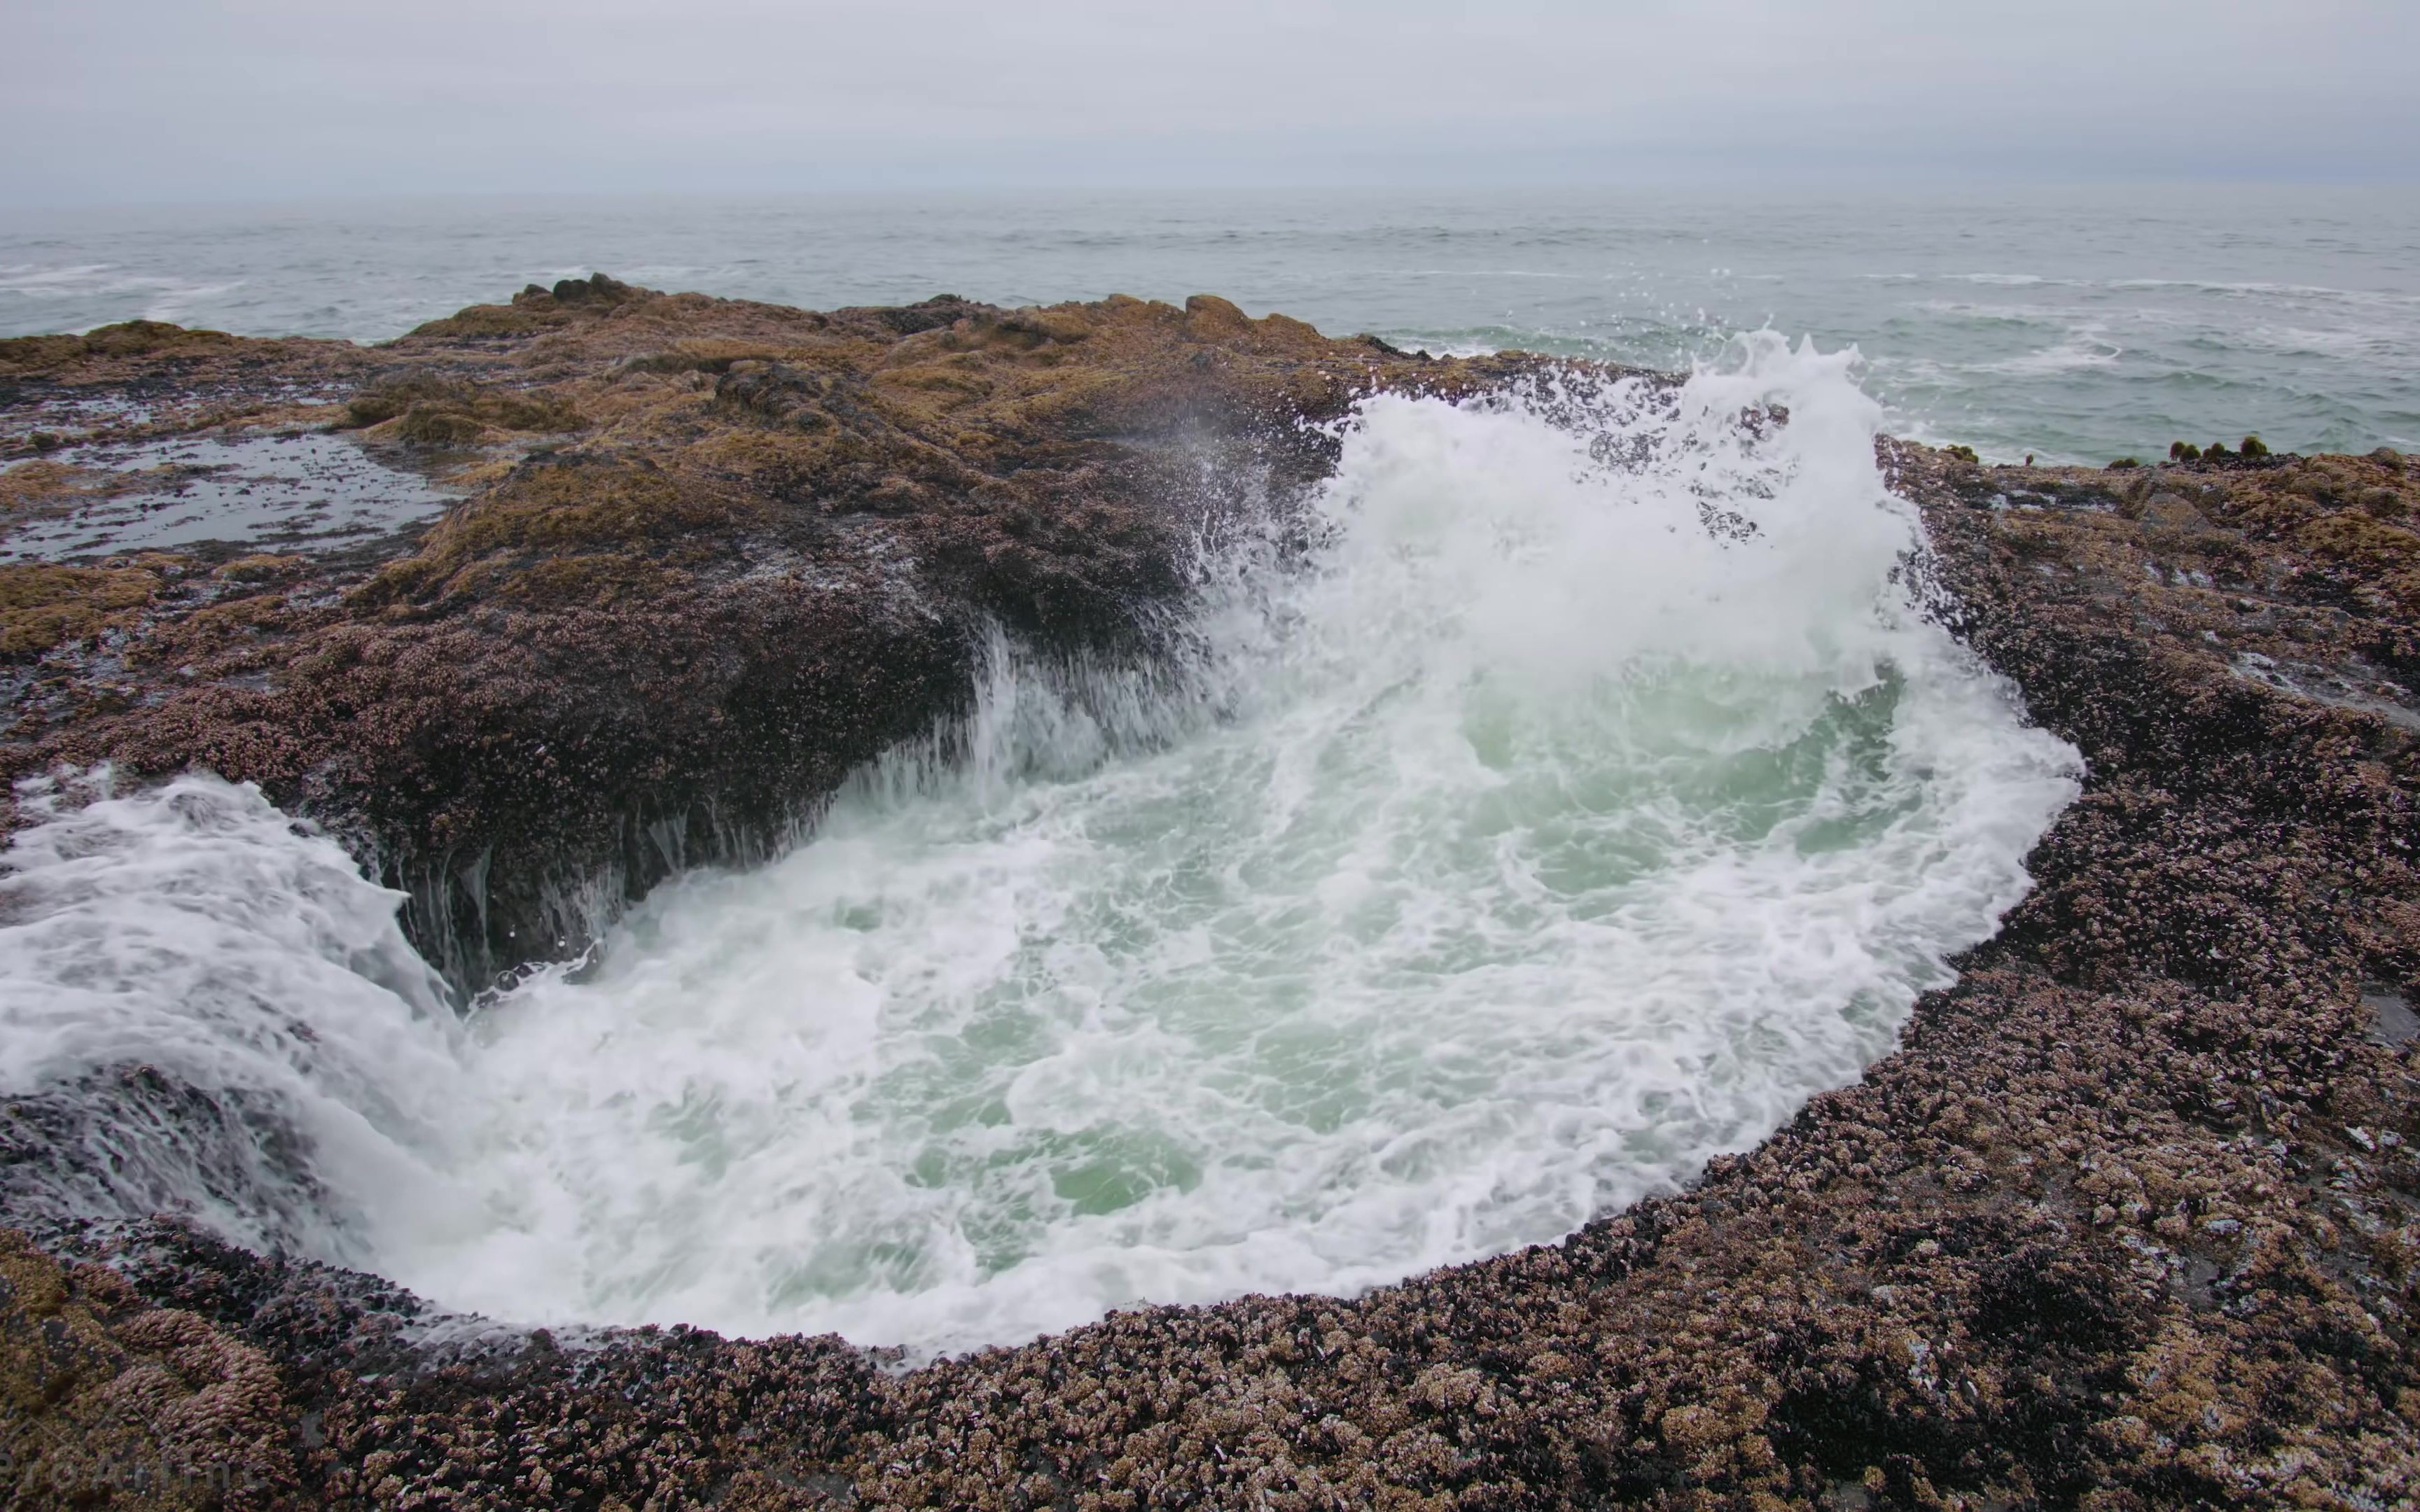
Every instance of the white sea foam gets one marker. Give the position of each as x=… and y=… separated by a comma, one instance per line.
x=164, y=298
x=194, y=930
x=2085, y=350
x=1590, y=796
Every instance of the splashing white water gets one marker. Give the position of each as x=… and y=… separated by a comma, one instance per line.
x=194, y=930
x=1588, y=798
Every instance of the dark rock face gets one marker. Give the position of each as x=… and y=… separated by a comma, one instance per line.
x=2131, y=1220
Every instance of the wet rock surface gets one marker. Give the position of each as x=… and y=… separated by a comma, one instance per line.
x=2126, y=1222
x=291, y=490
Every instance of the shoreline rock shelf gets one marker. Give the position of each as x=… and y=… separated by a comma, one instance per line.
x=713, y=554
x=2128, y=1221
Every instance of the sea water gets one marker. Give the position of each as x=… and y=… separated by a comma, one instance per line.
x=2077, y=325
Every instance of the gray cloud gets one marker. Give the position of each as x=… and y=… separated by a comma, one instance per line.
x=146, y=99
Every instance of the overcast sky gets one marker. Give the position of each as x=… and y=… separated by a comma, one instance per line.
x=141, y=101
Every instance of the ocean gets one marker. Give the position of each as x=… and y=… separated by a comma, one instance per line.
x=2074, y=325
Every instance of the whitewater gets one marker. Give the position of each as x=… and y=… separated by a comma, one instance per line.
x=1559, y=796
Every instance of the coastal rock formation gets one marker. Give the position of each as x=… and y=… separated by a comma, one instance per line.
x=113, y=1400
x=708, y=555
x=2129, y=1220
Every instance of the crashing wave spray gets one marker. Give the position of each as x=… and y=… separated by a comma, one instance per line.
x=219, y=1008
x=1586, y=794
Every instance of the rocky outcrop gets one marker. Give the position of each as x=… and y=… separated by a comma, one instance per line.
x=112, y=1401
x=711, y=556
x=2131, y=1220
